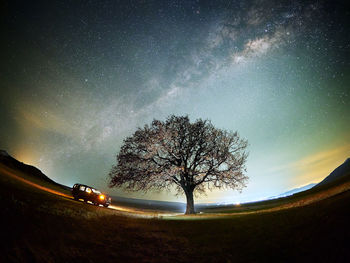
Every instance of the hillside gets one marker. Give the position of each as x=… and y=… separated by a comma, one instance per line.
x=29, y=170
x=294, y=191
x=337, y=181
x=341, y=172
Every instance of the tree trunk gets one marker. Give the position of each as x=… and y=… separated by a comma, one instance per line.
x=190, y=202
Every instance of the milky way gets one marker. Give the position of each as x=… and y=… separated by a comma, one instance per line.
x=77, y=77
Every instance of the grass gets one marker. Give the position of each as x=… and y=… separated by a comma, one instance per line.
x=295, y=200
x=39, y=226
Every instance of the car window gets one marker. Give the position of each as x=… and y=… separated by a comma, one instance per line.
x=82, y=188
x=88, y=190
x=96, y=191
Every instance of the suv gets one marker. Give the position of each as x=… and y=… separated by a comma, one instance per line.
x=88, y=193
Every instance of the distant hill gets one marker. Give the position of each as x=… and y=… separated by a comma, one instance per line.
x=294, y=191
x=339, y=173
x=29, y=170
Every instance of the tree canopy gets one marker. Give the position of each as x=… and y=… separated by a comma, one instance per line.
x=190, y=157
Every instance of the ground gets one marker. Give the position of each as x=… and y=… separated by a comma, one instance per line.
x=41, y=226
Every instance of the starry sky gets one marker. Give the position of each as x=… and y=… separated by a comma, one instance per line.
x=77, y=77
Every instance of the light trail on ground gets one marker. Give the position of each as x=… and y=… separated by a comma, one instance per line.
x=125, y=210
x=35, y=184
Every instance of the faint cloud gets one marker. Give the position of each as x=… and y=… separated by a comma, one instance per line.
x=36, y=117
x=313, y=168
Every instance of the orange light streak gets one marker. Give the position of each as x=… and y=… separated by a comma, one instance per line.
x=36, y=185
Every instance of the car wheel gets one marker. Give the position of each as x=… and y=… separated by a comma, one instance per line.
x=105, y=205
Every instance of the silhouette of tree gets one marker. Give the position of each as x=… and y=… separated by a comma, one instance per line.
x=192, y=157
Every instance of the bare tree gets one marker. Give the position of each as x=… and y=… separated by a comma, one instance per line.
x=192, y=157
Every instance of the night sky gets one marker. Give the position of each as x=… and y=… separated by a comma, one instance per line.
x=77, y=77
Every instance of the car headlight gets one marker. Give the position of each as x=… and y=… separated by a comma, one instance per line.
x=102, y=197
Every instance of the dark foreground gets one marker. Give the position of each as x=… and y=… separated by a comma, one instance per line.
x=42, y=227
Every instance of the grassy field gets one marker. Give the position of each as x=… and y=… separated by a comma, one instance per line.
x=296, y=200
x=39, y=226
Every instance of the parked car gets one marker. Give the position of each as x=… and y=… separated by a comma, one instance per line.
x=88, y=193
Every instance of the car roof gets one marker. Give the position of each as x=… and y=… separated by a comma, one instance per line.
x=89, y=187
x=85, y=185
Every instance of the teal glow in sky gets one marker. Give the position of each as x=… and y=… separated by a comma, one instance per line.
x=78, y=77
